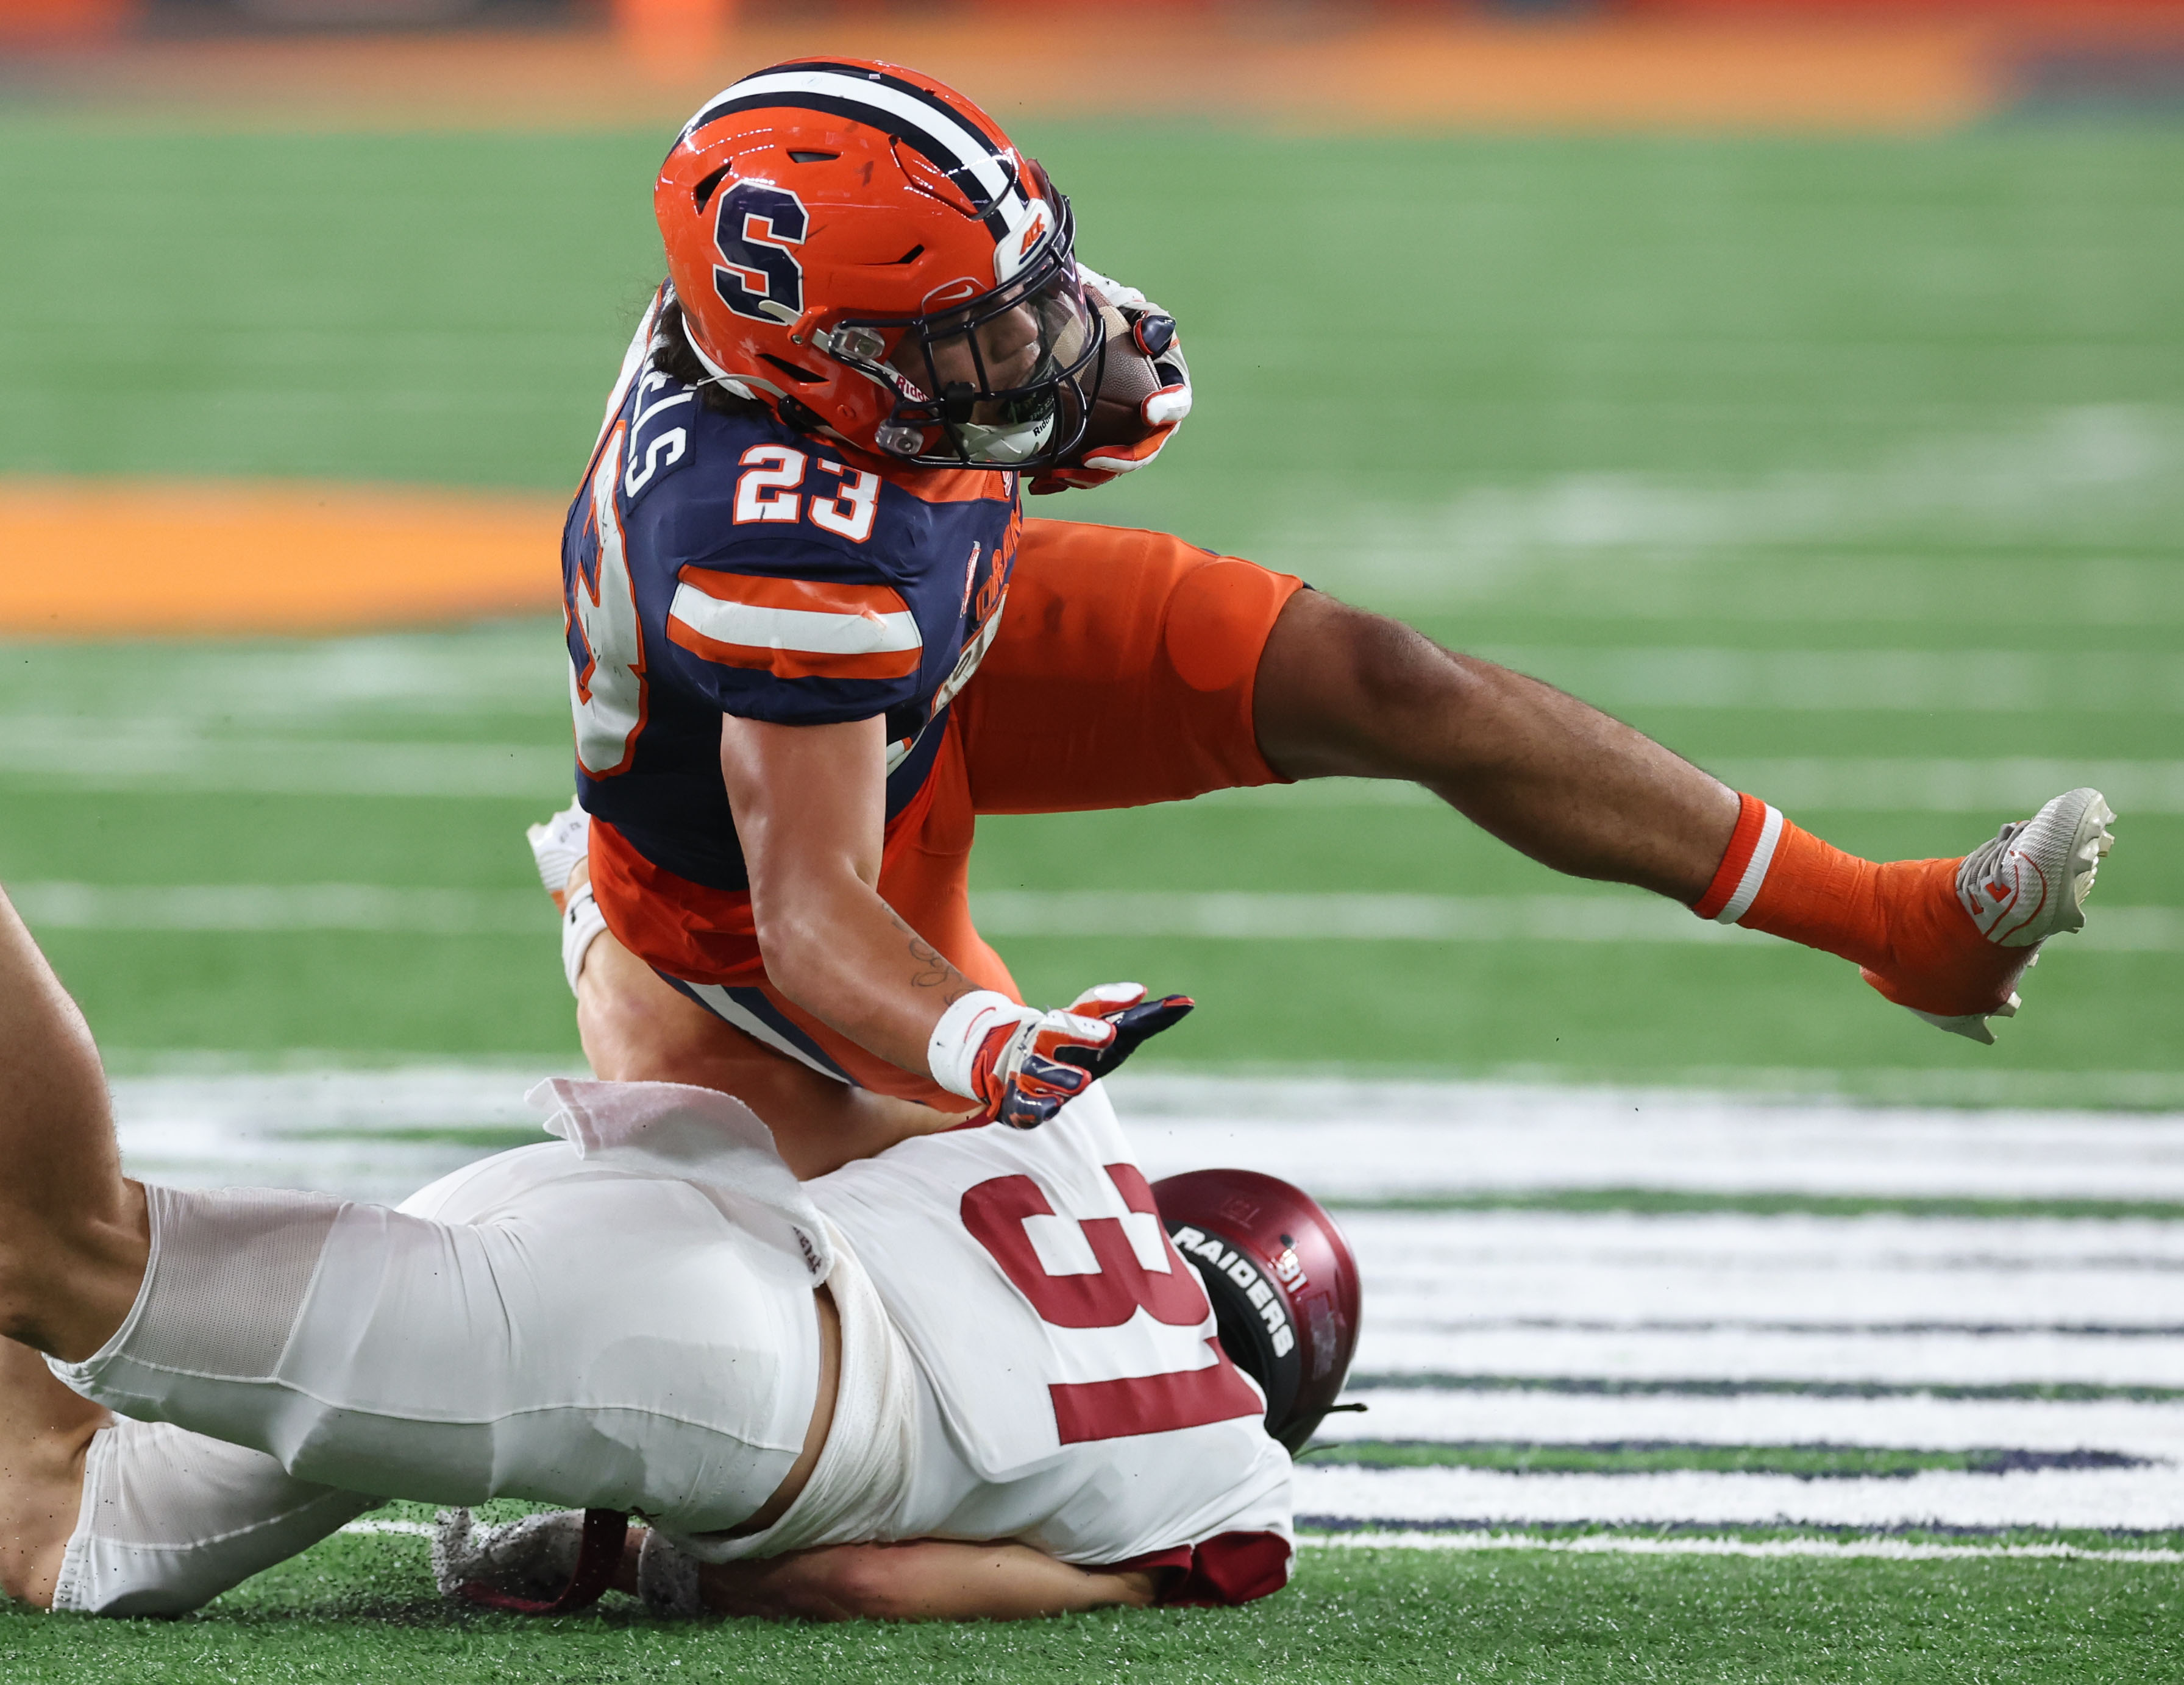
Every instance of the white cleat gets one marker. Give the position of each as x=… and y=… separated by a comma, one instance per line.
x=532, y=1557
x=2028, y=884
x=558, y=845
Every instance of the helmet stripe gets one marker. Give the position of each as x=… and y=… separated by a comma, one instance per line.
x=974, y=120
x=896, y=108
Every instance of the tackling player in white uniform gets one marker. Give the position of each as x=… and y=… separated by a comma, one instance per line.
x=984, y=1343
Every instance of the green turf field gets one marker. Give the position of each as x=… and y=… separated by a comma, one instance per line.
x=1851, y=469
x=1363, y=1615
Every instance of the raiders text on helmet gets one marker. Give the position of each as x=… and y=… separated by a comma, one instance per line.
x=1284, y=1285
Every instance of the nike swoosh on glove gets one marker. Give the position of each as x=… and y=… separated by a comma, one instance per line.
x=1023, y=1065
x=1163, y=411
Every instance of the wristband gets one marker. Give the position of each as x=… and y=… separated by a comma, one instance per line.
x=582, y=924
x=952, y=1053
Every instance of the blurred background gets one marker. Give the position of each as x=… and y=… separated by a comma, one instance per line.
x=1800, y=381
x=1804, y=382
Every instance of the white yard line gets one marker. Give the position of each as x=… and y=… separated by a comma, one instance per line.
x=1728, y=1296
x=1607, y=917
x=1632, y=545
x=1613, y=1544
x=1871, y=681
x=1919, y=1421
x=71, y=753
x=1921, y=1359
x=1479, y=1274
x=259, y=907
x=509, y=668
x=1341, y=1138
x=518, y=668
x=1362, y=1139
x=1226, y=916
x=1846, y=784
x=2139, y=1498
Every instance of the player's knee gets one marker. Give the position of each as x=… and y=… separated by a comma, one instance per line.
x=1398, y=669
x=1347, y=691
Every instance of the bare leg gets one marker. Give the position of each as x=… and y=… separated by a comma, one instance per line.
x=1341, y=692
x=45, y=1429
x=74, y=1235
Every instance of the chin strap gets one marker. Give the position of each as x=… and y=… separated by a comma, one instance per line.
x=599, y=1555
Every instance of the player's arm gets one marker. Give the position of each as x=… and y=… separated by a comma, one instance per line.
x=921, y=1579
x=811, y=810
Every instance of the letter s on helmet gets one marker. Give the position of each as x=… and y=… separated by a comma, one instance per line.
x=866, y=251
x=1283, y=1284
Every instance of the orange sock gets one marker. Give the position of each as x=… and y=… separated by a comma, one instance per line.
x=1899, y=922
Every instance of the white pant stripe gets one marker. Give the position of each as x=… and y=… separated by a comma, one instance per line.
x=718, y=998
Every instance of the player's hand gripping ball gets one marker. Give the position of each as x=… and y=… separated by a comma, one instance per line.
x=1023, y=1065
x=1141, y=389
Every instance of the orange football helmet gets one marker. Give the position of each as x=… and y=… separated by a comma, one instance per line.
x=865, y=250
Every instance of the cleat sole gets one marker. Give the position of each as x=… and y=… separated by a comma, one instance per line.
x=1972, y=1025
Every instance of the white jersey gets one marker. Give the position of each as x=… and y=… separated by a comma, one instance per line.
x=1076, y=1397
x=626, y=1319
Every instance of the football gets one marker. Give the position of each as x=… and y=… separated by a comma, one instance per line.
x=1127, y=377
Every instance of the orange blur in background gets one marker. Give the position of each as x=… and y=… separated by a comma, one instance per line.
x=133, y=559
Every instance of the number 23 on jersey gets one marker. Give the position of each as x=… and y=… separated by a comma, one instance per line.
x=771, y=488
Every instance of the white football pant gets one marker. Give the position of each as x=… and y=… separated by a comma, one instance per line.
x=531, y=1326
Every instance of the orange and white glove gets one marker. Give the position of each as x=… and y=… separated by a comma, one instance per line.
x=1162, y=411
x=1023, y=1065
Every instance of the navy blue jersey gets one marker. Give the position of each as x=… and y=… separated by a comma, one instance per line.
x=717, y=564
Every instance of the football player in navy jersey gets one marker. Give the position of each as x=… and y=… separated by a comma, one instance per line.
x=813, y=637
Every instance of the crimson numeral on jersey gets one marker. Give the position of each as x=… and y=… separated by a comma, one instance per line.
x=770, y=489
x=1002, y=1215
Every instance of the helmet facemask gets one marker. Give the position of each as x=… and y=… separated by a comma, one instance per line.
x=993, y=383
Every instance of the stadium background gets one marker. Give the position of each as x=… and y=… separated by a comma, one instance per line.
x=1801, y=383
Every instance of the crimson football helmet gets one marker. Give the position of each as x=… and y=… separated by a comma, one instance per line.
x=1284, y=1285
x=865, y=250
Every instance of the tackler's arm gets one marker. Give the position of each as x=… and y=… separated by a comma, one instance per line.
x=919, y=1580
